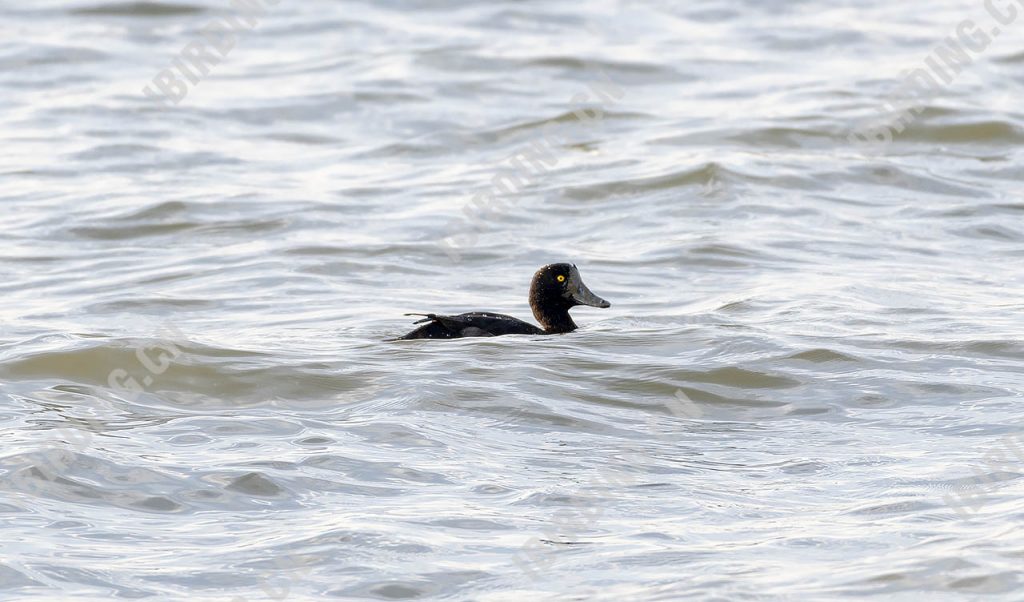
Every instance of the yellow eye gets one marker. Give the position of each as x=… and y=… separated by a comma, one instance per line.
x=561, y=278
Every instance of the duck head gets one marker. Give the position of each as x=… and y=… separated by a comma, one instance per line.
x=556, y=289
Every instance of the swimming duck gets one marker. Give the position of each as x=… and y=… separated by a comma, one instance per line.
x=555, y=289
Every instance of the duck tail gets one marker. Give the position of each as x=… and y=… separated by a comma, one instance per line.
x=434, y=330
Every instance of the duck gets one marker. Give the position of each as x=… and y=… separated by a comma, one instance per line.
x=554, y=290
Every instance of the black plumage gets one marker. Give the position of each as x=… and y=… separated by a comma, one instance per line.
x=555, y=289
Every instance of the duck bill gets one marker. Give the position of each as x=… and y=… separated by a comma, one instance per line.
x=582, y=295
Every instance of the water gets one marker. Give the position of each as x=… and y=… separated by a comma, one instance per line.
x=808, y=386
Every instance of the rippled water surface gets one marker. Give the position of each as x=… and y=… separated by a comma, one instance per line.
x=809, y=385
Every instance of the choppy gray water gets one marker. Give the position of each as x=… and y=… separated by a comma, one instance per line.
x=809, y=385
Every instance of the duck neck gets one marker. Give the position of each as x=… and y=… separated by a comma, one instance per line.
x=557, y=323
x=552, y=311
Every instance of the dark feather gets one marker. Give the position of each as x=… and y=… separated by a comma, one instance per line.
x=473, y=324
